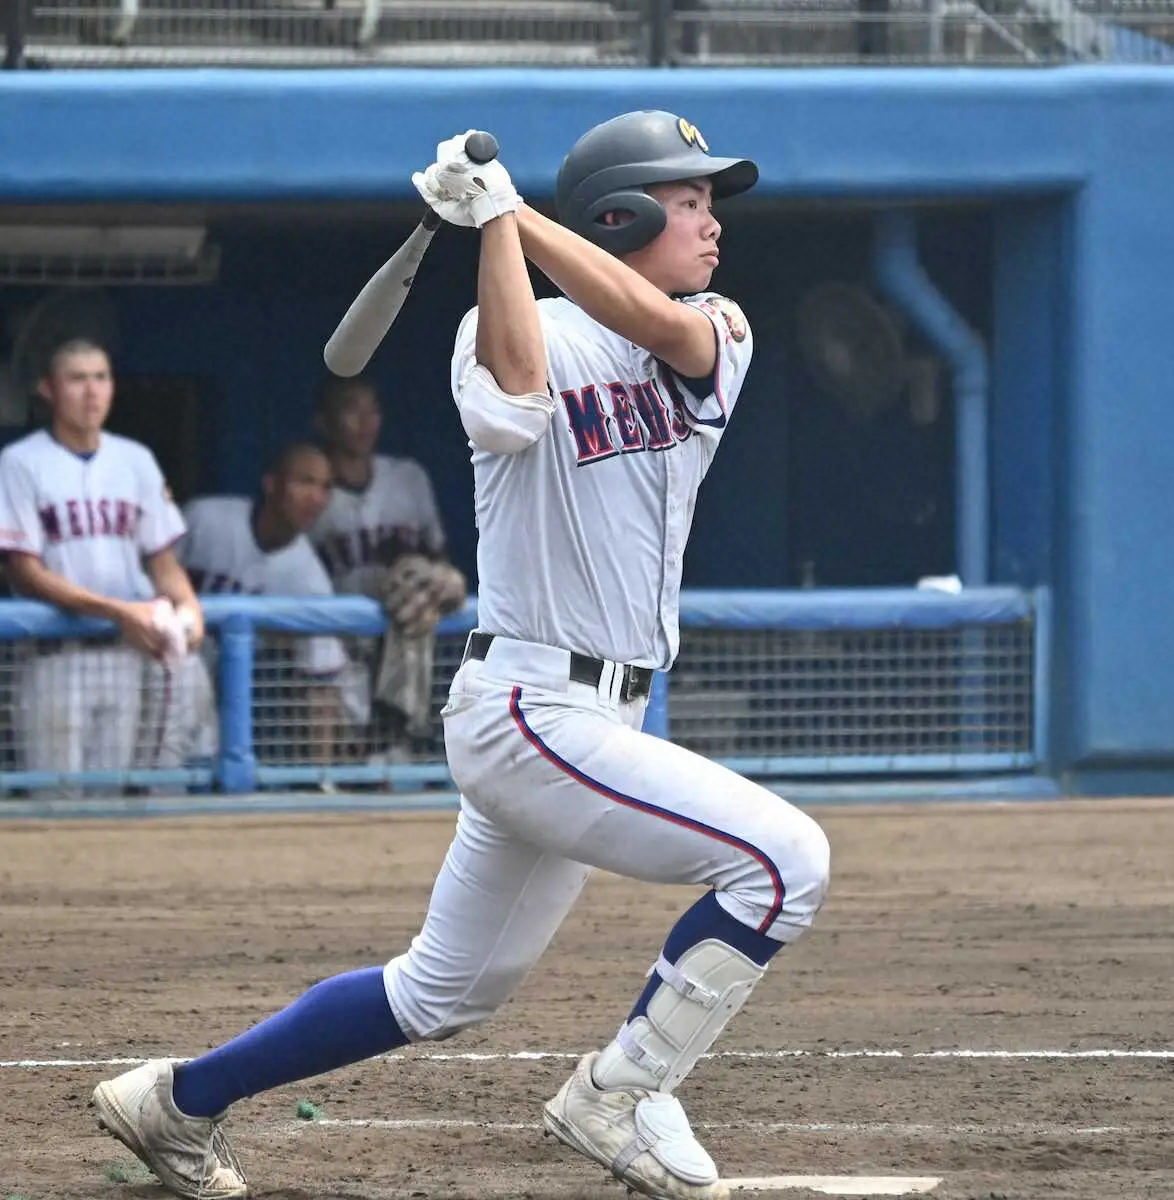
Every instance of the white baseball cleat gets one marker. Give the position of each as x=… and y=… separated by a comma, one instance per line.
x=190, y=1155
x=642, y=1137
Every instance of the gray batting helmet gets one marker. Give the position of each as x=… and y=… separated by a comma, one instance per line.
x=610, y=165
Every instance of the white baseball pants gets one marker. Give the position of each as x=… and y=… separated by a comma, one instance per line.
x=556, y=779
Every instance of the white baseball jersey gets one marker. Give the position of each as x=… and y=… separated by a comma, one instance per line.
x=580, y=549
x=221, y=554
x=90, y=517
x=398, y=504
x=581, y=537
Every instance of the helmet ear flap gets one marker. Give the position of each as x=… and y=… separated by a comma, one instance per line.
x=647, y=222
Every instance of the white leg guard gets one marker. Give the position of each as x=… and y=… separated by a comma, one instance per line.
x=693, y=1004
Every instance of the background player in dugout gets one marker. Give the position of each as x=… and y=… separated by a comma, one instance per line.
x=257, y=546
x=88, y=525
x=381, y=535
x=543, y=738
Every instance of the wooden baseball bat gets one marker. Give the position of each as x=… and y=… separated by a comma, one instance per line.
x=370, y=316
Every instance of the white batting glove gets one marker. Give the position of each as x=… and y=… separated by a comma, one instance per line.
x=486, y=188
x=448, y=204
x=453, y=150
x=489, y=191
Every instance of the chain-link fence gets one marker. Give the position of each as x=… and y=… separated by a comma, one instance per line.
x=856, y=696
x=90, y=716
x=772, y=683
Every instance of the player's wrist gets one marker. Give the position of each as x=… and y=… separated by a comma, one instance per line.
x=490, y=205
x=105, y=608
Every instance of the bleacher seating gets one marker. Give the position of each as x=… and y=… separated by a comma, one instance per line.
x=334, y=33
x=596, y=32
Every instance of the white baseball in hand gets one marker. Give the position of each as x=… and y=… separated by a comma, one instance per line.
x=175, y=635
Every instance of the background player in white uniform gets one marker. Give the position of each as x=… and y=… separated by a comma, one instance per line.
x=593, y=420
x=237, y=545
x=381, y=510
x=88, y=525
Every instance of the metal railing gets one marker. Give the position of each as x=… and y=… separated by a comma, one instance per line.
x=885, y=682
x=587, y=32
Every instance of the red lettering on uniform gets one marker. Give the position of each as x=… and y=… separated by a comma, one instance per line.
x=631, y=435
x=588, y=424
x=50, y=523
x=73, y=515
x=90, y=523
x=104, y=526
x=681, y=428
x=122, y=519
x=653, y=413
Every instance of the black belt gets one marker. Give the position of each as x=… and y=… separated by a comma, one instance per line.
x=637, y=681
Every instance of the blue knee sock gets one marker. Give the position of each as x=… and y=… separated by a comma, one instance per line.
x=339, y=1021
x=707, y=919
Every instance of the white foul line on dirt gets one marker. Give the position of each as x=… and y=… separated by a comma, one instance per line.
x=839, y=1185
x=873, y=1128
x=829, y=1185
x=539, y=1055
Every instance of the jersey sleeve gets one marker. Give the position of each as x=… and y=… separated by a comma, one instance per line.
x=464, y=352
x=191, y=532
x=496, y=421
x=162, y=524
x=709, y=401
x=20, y=518
x=432, y=539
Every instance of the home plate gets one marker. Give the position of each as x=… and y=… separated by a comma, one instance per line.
x=839, y=1185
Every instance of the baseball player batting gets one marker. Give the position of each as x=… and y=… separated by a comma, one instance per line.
x=592, y=419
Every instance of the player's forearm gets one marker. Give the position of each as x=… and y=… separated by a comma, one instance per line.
x=600, y=284
x=171, y=580
x=509, y=333
x=32, y=578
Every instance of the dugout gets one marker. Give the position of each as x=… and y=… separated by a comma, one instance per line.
x=1032, y=194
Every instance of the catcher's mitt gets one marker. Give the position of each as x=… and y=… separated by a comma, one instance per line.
x=418, y=591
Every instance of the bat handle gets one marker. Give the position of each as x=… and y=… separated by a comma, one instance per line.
x=481, y=147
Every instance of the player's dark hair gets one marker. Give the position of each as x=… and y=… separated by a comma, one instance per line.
x=280, y=463
x=333, y=392
x=76, y=345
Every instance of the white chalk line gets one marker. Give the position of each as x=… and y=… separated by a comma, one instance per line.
x=839, y=1185
x=539, y=1055
x=910, y=1129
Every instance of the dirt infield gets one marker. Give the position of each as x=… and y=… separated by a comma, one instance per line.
x=994, y=927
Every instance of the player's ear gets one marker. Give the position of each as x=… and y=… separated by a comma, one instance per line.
x=43, y=389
